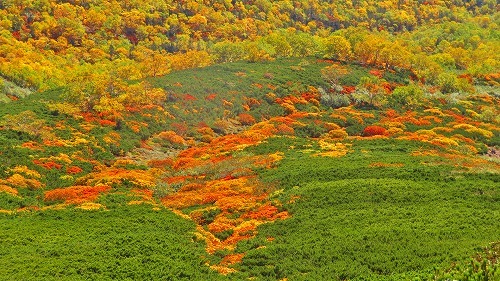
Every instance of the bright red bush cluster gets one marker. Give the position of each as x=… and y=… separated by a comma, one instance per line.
x=374, y=131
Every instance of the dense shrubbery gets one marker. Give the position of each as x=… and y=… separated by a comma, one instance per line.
x=367, y=174
x=375, y=213
x=125, y=243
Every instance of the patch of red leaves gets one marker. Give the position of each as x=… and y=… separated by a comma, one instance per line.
x=374, y=131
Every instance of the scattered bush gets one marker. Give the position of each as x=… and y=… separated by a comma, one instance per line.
x=334, y=100
x=406, y=97
x=246, y=119
x=374, y=131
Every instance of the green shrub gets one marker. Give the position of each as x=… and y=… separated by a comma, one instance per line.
x=406, y=97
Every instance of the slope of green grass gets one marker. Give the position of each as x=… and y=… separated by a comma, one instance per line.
x=198, y=94
x=352, y=221
x=127, y=243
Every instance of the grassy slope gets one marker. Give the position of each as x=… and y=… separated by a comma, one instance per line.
x=382, y=223
x=127, y=243
x=351, y=221
x=235, y=82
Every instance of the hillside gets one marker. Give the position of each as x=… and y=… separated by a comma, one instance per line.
x=251, y=145
x=249, y=140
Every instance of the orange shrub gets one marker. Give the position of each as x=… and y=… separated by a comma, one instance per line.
x=246, y=119
x=211, y=97
x=145, y=194
x=232, y=259
x=74, y=170
x=189, y=97
x=47, y=165
x=265, y=212
x=107, y=123
x=391, y=113
x=112, y=175
x=30, y=145
x=8, y=189
x=284, y=129
x=171, y=137
x=348, y=90
x=75, y=194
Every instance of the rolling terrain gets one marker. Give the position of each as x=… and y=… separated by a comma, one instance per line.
x=249, y=140
x=244, y=173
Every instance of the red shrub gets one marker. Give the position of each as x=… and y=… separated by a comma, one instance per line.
x=376, y=72
x=374, y=131
x=107, y=123
x=189, y=97
x=348, y=89
x=180, y=128
x=47, y=165
x=74, y=170
x=211, y=97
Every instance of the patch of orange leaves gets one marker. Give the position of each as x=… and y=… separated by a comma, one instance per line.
x=242, y=201
x=31, y=145
x=8, y=189
x=75, y=194
x=74, y=170
x=47, y=164
x=232, y=259
x=112, y=175
x=172, y=137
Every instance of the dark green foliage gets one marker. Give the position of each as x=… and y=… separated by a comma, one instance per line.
x=371, y=223
x=8, y=201
x=128, y=243
x=310, y=130
x=356, y=72
x=209, y=216
x=224, y=234
x=205, y=89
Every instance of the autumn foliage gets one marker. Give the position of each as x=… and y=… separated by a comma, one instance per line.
x=344, y=73
x=374, y=131
x=75, y=194
x=246, y=119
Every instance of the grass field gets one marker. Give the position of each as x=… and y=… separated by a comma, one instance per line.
x=353, y=221
x=127, y=243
